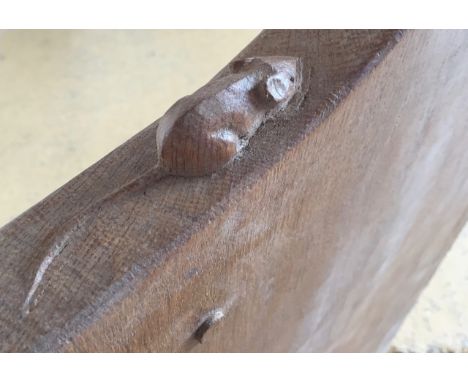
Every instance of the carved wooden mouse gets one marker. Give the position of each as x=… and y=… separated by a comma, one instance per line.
x=204, y=131
x=200, y=134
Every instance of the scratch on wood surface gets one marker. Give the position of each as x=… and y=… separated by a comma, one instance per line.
x=56, y=250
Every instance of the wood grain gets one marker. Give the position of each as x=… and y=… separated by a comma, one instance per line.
x=318, y=238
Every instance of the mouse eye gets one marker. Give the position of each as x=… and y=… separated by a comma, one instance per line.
x=291, y=79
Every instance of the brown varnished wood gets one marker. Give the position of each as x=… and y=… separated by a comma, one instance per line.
x=319, y=237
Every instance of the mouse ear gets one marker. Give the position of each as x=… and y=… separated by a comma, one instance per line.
x=279, y=86
x=244, y=64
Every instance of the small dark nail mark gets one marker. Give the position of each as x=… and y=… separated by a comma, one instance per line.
x=210, y=320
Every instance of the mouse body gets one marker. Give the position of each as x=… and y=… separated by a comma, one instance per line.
x=204, y=131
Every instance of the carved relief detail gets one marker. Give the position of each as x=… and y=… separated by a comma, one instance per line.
x=204, y=131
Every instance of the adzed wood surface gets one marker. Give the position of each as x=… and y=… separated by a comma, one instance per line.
x=319, y=237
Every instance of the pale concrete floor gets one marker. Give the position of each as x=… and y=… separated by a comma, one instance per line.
x=69, y=97
x=439, y=321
